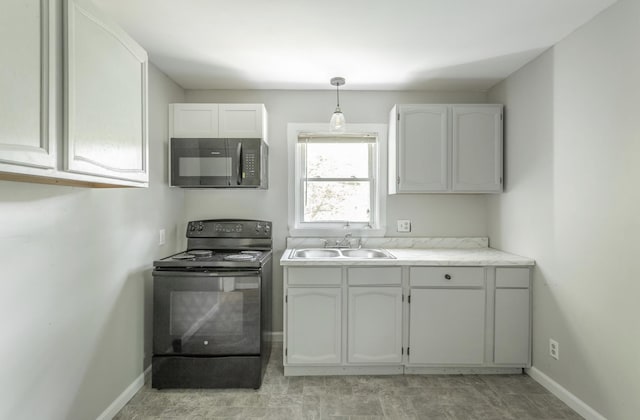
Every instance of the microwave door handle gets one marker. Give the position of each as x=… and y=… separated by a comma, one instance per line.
x=239, y=157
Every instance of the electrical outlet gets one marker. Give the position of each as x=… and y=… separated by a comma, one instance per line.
x=161, y=237
x=404, y=225
x=554, y=349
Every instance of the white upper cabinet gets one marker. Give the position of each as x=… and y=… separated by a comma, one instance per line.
x=26, y=77
x=477, y=148
x=106, y=101
x=193, y=121
x=445, y=148
x=101, y=104
x=422, y=148
x=242, y=120
x=218, y=121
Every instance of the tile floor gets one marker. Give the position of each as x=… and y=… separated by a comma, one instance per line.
x=432, y=397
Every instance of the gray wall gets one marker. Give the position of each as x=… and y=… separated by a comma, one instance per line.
x=573, y=203
x=76, y=283
x=432, y=215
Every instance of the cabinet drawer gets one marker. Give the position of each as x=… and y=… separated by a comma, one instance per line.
x=512, y=277
x=447, y=276
x=314, y=276
x=374, y=275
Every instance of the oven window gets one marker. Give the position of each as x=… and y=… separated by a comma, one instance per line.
x=205, y=313
x=205, y=166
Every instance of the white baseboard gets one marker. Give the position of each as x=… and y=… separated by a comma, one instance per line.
x=276, y=336
x=564, y=395
x=124, y=398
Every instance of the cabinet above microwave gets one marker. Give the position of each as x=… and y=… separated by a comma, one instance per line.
x=232, y=121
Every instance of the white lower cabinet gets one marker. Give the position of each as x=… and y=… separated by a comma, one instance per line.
x=446, y=326
x=374, y=325
x=356, y=320
x=314, y=319
x=512, y=317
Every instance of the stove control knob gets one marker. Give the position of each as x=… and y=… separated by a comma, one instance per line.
x=200, y=227
x=267, y=228
x=192, y=227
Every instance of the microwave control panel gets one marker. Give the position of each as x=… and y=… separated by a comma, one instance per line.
x=250, y=166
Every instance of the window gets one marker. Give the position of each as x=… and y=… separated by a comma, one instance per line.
x=336, y=183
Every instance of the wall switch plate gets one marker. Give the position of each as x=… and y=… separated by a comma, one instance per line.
x=161, y=237
x=554, y=349
x=404, y=225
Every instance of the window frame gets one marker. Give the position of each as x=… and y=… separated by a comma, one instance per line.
x=377, y=174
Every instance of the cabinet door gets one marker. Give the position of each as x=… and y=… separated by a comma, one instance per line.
x=512, y=327
x=106, y=101
x=446, y=326
x=193, y=121
x=241, y=121
x=422, y=148
x=375, y=325
x=26, y=75
x=314, y=317
x=512, y=339
x=477, y=148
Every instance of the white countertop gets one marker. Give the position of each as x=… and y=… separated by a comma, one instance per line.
x=455, y=256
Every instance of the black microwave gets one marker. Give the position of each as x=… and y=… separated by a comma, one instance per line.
x=219, y=163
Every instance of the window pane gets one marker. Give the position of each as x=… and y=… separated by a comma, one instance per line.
x=337, y=160
x=337, y=201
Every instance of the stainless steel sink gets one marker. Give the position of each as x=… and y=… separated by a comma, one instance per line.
x=316, y=253
x=363, y=253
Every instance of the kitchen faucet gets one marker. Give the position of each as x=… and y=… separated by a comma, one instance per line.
x=343, y=243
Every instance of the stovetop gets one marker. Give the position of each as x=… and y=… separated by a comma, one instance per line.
x=215, y=259
x=223, y=243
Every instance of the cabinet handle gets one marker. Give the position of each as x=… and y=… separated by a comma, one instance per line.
x=447, y=276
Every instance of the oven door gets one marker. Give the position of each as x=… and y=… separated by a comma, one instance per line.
x=206, y=313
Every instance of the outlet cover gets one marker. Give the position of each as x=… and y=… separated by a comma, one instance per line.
x=161, y=237
x=404, y=225
x=554, y=349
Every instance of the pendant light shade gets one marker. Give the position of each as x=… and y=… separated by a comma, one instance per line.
x=337, y=123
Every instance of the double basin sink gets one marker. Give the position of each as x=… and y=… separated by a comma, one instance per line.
x=361, y=253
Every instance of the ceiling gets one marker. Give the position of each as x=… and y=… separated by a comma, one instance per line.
x=374, y=44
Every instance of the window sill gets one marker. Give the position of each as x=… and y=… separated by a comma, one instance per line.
x=322, y=233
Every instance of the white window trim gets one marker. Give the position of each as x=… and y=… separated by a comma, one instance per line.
x=293, y=131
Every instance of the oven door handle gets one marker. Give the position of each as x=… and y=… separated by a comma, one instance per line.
x=245, y=273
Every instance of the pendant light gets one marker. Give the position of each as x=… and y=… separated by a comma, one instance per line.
x=337, y=123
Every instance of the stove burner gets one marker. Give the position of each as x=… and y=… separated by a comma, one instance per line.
x=251, y=252
x=239, y=257
x=200, y=253
x=183, y=257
